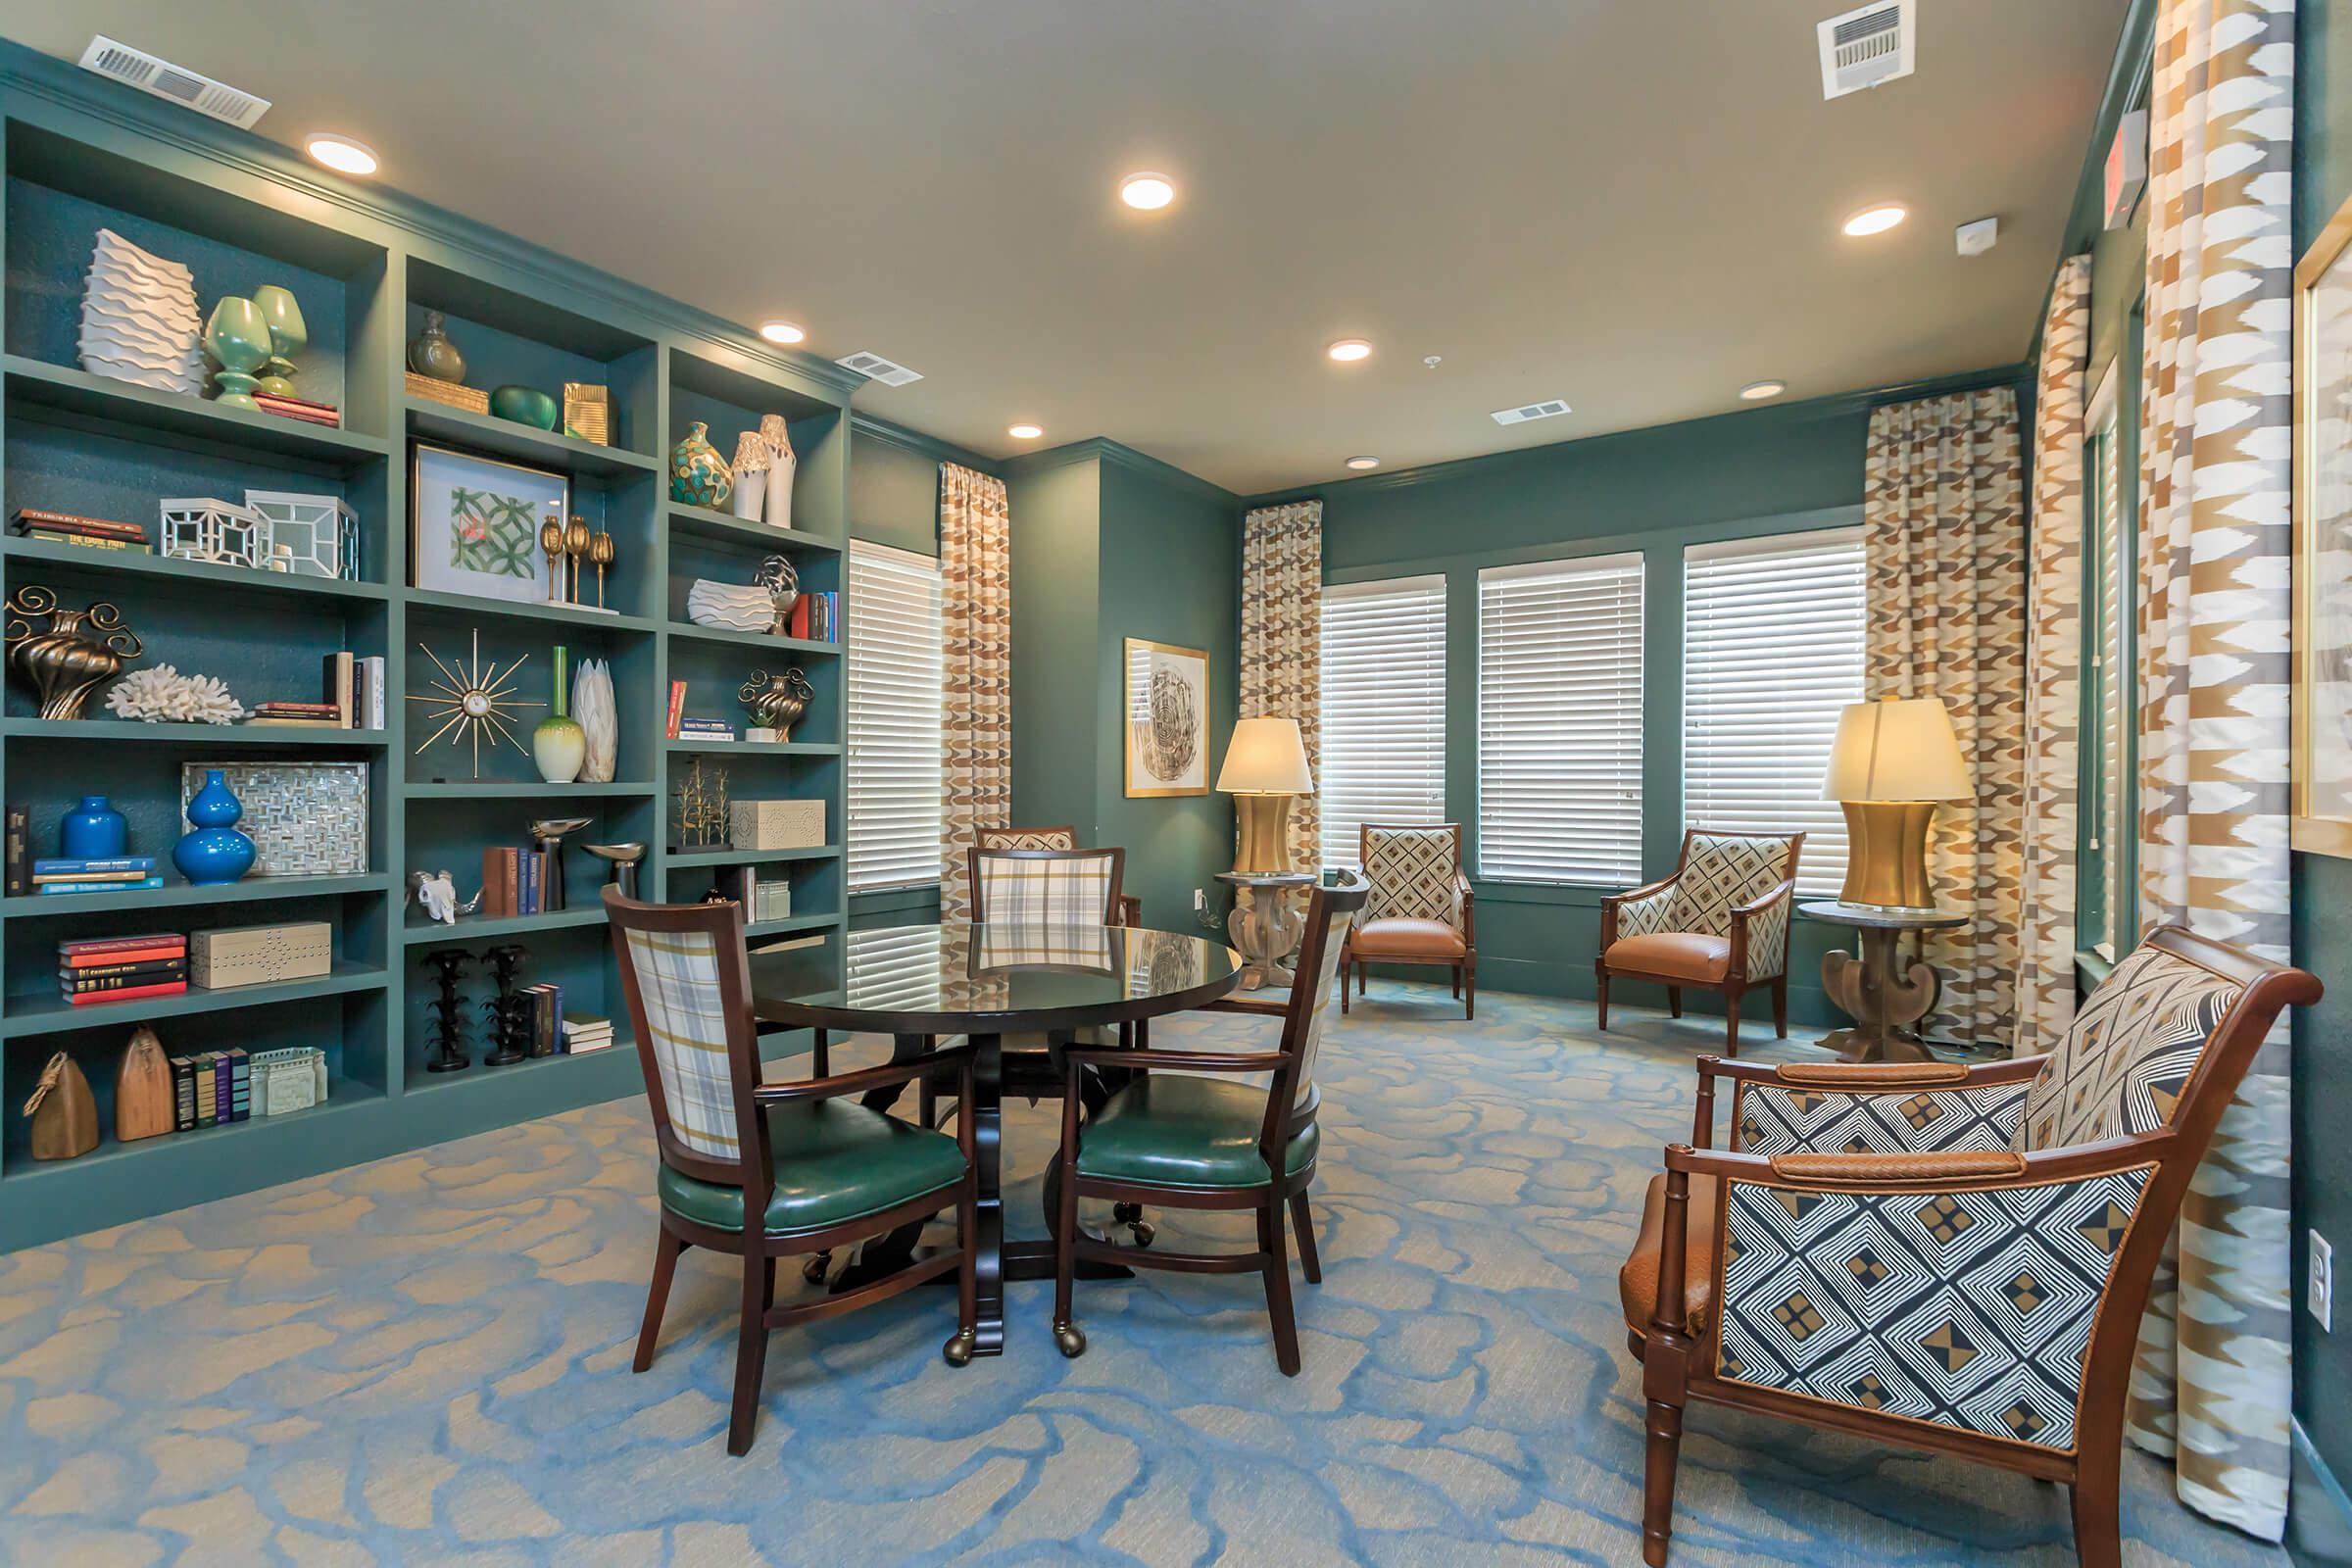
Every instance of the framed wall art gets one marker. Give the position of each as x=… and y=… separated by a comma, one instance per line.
x=1167, y=720
x=2323, y=625
x=474, y=525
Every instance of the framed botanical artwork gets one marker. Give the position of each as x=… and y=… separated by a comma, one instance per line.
x=2322, y=628
x=474, y=525
x=1167, y=720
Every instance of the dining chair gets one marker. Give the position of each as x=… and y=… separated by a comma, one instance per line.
x=816, y=1168
x=1941, y=1257
x=1421, y=909
x=1209, y=1143
x=1130, y=909
x=1719, y=923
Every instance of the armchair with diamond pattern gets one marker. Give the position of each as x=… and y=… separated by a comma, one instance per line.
x=1421, y=911
x=1947, y=1257
x=1720, y=923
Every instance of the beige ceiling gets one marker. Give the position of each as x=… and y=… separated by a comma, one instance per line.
x=1632, y=204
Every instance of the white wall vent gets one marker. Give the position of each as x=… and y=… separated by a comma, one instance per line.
x=874, y=367
x=1549, y=408
x=135, y=68
x=1867, y=46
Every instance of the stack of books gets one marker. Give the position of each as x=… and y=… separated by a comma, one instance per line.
x=70, y=528
x=705, y=730
x=122, y=968
x=584, y=1032
x=816, y=618
x=354, y=700
x=302, y=408
x=123, y=873
x=210, y=1088
x=514, y=882
x=547, y=1017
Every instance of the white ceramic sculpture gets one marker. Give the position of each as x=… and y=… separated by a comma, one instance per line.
x=139, y=320
x=751, y=475
x=776, y=504
x=745, y=607
x=592, y=705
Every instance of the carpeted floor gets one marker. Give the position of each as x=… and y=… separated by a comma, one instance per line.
x=426, y=1361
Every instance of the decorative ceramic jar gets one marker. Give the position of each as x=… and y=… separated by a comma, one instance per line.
x=288, y=336
x=776, y=504
x=93, y=831
x=237, y=337
x=751, y=475
x=431, y=352
x=698, y=475
x=525, y=405
x=557, y=743
x=215, y=853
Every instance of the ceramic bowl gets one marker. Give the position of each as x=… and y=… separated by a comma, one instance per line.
x=525, y=405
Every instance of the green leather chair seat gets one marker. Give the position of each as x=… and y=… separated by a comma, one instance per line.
x=1186, y=1132
x=834, y=1161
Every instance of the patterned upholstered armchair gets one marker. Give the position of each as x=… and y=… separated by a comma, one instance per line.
x=1720, y=923
x=1420, y=911
x=1953, y=1259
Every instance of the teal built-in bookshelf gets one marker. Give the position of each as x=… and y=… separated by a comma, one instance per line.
x=80, y=154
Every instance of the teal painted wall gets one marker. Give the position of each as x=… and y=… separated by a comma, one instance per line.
x=1057, y=502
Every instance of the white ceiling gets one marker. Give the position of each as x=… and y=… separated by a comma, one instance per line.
x=1632, y=204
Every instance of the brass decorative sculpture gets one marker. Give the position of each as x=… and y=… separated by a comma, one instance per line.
x=625, y=859
x=551, y=542
x=783, y=586
x=576, y=540
x=776, y=702
x=78, y=652
x=703, y=807
x=601, y=551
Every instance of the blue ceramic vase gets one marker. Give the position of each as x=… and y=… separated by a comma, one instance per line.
x=95, y=831
x=215, y=853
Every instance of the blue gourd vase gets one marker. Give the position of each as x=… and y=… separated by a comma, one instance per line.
x=95, y=831
x=215, y=853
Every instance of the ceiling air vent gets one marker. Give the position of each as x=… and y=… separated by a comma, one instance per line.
x=1867, y=46
x=135, y=68
x=1551, y=408
x=873, y=366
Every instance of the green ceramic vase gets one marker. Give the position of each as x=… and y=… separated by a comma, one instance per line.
x=525, y=405
x=698, y=475
x=559, y=746
x=288, y=336
x=237, y=337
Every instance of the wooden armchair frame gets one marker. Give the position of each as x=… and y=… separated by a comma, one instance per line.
x=1464, y=967
x=1738, y=977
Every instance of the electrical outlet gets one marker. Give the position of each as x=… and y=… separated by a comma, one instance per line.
x=1200, y=899
x=2319, y=1295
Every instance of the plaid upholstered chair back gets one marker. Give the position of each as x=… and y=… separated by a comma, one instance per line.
x=1046, y=887
x=684, y=975
x=1415, y=872
x=1722, y=872
x=1025, y=838
x=2124, y=1063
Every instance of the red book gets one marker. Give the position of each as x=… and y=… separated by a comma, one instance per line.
x=100, y=960
x=677, y=706
x=169, y=988
x=147, y=939
x=797, y=626
x=74, y=523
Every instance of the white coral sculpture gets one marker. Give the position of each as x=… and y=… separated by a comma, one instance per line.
x=161, y=695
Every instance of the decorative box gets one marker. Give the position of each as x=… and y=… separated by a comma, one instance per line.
x=259, y=955
x=208, y=528
x=772, y=901
x=776, y=824
x=290, y=1079
x=472, y=399
x=588, y=412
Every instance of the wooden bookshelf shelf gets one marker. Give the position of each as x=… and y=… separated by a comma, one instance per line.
x=443, y=426
x=61, y=389
x=587, y=620
x=473, y=930
x=679, y=859
x=47, y=1013
x=188, y=737
x=624, y=1045
x=757, y=641
x=519, y=790
x=719, y=527
x=198, y=574
x=794, y=925
x=774, y=747
x=181, y=896
x=347, y=1103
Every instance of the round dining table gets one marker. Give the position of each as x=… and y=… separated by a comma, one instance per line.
x=921, y=984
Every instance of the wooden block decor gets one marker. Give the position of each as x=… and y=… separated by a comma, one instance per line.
x=261, y=954
x=472, y=399
x=142, y=1088
x=64, y=1118
x=776, y=824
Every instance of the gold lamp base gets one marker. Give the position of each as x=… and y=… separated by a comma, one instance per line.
x=1265, y=834
x=1886, y=857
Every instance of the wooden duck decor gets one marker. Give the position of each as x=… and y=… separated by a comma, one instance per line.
x=64, y=1118
x=142, y=1088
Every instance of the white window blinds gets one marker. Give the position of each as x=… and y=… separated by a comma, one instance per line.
x=1559, y=721
x=894, y=679
x=1383, y=709
x=1772, y=633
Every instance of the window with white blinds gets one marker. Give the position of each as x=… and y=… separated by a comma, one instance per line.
x=894, y=678
x=1383, y=709
x=1559, y=721
x=1771, y=636
x=2106, y=541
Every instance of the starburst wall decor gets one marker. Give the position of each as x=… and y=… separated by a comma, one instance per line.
x=472, y=703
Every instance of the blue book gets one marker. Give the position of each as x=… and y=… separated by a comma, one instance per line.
x=526, y=896
x=127, y=862
x=100, y=886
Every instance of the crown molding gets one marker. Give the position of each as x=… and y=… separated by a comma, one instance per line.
x=865, y=426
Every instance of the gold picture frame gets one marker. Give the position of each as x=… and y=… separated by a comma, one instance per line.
x=1164, y=719
x=2320, y=770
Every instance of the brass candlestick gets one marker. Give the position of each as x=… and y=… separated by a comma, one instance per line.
x=602, y=552
x=576, y=539
x=550, y=540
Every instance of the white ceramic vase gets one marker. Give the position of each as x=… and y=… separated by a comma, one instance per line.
x=776, y=504
x=749, y=489
x=599, y=721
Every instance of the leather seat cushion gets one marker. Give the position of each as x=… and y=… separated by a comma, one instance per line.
x=1174, y=1131
x=1677, y=955
x=1638, y=1281
x=835, y=1161
x=1396, y=937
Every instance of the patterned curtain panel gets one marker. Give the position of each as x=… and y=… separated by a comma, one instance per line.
x=2045, y=970
x=975, y=727
x=2211, y=1384
x=1282, y=642
x=1944, y=542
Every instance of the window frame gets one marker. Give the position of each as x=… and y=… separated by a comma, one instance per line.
x=868, y=551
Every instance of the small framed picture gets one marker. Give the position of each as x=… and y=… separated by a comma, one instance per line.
x=474, y=525
x=2322, y=767
x=1167, y=720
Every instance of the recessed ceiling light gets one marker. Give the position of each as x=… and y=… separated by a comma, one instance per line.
x=340, y=153
x=781, y=332
x=1361, y=464
x=1348, y=350
x=1757, y=391
x=1875, y=220
x=1147, y=193
x=1025, y=432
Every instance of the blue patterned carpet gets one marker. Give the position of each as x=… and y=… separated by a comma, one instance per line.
x=426, y=1361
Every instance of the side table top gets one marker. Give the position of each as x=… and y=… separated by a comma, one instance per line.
x=1267, y=879
x=1880, y=918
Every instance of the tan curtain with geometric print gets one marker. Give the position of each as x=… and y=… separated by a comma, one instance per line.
x=1282, y=642
x=975, y=723
x=2046, y=933
x=2212, y=1381
x=1944, y=545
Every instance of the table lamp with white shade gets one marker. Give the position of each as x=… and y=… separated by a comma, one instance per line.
x=1265, y=765
x=1892, y=761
